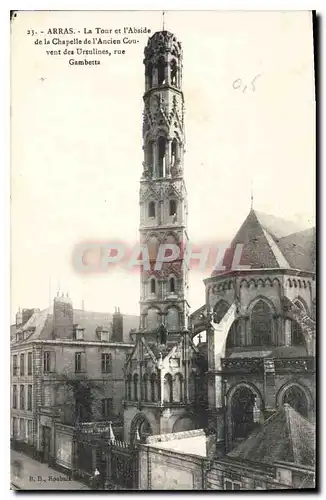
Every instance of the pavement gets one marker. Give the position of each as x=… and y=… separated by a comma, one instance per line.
x=28, y=474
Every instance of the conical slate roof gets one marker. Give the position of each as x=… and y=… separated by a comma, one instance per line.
x=269, y=242
x=286, y=436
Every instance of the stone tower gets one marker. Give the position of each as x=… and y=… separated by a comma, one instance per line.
x=159, y=389
x=163, y=203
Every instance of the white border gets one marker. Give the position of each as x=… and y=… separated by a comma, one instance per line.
x=5, y=169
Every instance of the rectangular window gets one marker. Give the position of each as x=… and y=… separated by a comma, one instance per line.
x=29, y=363
x=80, y=365
x=106, y=363
x=22, y=397
x=14, y=365
x=107, y=408
x=46, y=362
x=14, y=396
x=232, y=485
x=29, y=397
x=22, y=364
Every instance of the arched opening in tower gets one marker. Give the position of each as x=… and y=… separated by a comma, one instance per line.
x=161, y=71
x=295, y=397
x=172, y=207
x=174, y=152
x=174, y=73
x=149, y=156
x=153, y=285
x=161, y=156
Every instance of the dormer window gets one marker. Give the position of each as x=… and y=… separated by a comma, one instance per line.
x=104, y=336
x=78, y=333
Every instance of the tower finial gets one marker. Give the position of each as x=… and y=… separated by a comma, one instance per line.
x=251, y=197
x=163, y=14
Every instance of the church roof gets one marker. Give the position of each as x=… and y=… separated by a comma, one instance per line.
x=272, y=243
x=286, y=436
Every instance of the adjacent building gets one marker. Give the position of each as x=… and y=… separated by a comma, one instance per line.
x=66, y=368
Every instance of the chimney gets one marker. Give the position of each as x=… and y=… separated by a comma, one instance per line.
x=24, y=315
x=63, y=317
x=117, y=326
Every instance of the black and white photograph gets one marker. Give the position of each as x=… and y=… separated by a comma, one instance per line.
x=163, y=250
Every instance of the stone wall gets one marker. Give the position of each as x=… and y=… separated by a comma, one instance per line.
x=161, y=469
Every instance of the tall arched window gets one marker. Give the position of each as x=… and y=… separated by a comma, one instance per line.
x=261, y=324
x=151, y=209
x=172, y=319
x=242, y=410
x=153, y=285
x=161, y=71
x=220, y=310
x=145, y=387
x=153, y=383
x=161, y=155
x=136, y=387
x=174, y=79
x=295, y=397
x=172, y=285
x=152, y=319
x=168, y=388
x=172, y=207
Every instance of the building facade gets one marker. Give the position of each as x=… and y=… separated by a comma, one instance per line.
x=161, y=372
x=66, y=368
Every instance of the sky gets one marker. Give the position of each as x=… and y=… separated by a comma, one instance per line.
x=76, y=142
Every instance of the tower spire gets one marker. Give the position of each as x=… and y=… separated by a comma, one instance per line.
x=251, y=197
x=163, y=18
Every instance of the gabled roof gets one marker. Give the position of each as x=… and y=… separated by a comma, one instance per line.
x=286, y=436
x=270, y=242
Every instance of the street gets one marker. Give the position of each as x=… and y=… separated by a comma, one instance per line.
x=28, y=474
